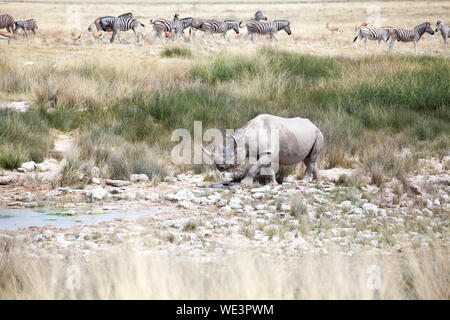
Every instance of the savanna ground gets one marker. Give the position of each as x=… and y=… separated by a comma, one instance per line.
x=375, y=226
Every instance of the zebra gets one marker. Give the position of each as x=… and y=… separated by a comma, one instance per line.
x=128, y=22
x=184, y=23
x=380, y=34
x=29, y=24
x=258, y=17
x=405, y=35
x=6, y=21
x=270, y=28
x=214, y=26
x=444, y=29
x=197, y=24
x=164, y=25
x=123, y=22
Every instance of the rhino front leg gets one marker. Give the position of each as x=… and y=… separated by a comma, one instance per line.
x=265, y=163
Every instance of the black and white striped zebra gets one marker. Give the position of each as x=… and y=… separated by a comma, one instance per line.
x=128, y=22
x=164, y=25
x=270, y=28
x=28, y=25
x=213, y=26
x=183, y=24
x=371, y=33
x=123, y=22
x=405, y=35
x=7, y=22
x=444, y=29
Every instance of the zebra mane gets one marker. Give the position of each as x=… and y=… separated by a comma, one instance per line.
x=281, y=23
x=128, y=14
x=420, y=26
x=230, y=21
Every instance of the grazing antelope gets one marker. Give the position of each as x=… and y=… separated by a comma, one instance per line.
x=6, y=36
x=335, y=28
x=29, y=25
x=76, y=37
x=414, y=35
x=444, y=29
x=97, y=35
x=6, y=21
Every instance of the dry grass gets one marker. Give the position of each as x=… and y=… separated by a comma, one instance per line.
x=416, y=274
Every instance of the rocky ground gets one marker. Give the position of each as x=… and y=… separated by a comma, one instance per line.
x=205, y=219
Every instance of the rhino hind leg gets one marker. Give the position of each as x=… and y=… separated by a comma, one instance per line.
x=311, y=160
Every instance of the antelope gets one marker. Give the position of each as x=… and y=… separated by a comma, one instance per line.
x=6, y=36
x=335, y=28
x=97, y=35
x=76, y=37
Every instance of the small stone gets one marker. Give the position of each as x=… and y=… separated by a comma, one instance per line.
x=117, y=183
x=42, y=167
x=96, y=180
x=370, y=207
x=258, y=195
x=136, y=178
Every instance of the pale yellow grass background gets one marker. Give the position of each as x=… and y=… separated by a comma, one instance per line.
x=308, y=20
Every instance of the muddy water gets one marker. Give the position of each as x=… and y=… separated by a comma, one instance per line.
x=12, y=219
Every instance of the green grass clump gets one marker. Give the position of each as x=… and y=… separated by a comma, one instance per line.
x=176, y=52
x=224, y=69
x=23, y=137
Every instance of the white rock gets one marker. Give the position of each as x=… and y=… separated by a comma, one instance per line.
x=42, y=167
x=185, y=204
x=135, y=178
x=370, y=207
x=260, y=190
x=98, y=194
x=47, y=234
x=96, y=180
x=429, y=203
x=258, y=195
x=29, y=166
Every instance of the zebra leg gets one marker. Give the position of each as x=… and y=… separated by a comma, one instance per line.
x=246, y=36
x=26, y=34
x=136, y=34
x=415, y=46
x=112, y=37
x=391, y=44
x=252, y=37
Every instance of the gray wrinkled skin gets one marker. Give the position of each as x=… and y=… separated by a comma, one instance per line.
x=272, y=141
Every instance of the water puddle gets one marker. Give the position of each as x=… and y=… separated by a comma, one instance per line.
x=12, y=219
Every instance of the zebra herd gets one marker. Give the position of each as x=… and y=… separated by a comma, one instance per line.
x=398, y=34
x=258, y=25
x=209, y=27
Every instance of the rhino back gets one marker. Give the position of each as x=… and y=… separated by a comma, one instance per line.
x=296, y=136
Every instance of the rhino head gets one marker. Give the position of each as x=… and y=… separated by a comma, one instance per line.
x=227, y=159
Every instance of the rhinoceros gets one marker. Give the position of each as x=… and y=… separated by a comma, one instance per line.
x=268, y=140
